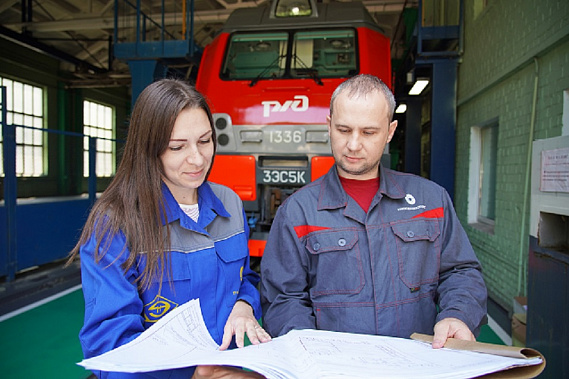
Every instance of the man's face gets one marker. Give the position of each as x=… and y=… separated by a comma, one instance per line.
x=359, y=130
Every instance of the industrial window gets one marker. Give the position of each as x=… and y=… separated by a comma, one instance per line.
x=483, y=162
x=25, y=110
x=98, y=122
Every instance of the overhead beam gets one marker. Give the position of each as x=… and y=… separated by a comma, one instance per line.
x=7, y=4
x=94, y=48
x=38, y=46
x=66, y=6
x=97, y=23
x=170, y=19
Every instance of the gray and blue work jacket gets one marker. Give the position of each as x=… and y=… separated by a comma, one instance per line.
x=395, y=270
x=208, y=260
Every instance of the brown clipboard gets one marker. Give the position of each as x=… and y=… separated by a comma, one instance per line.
x=530, y=371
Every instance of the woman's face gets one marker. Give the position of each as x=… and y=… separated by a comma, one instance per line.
x=188, y=156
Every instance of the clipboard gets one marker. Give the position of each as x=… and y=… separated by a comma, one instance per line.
x=530, y=371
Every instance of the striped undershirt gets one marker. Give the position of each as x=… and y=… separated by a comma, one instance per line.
x=191, y=210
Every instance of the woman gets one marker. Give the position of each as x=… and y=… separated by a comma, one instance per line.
x=161, y=235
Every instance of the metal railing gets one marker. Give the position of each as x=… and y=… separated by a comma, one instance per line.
x=440, y=25
x=129, y=16
x=10, y=176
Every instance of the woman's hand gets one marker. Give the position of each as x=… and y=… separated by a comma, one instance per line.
x=241, y=321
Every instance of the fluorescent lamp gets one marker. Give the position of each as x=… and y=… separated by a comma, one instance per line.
x=419, y=86
x=401, y=108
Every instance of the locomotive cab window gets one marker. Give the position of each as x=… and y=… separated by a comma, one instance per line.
x=327, y=53
x=313, y=54
x=256, y=55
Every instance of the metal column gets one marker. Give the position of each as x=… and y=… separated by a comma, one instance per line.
x=10, y=186
x=443, y=123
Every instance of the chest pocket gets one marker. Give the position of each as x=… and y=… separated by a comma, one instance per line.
x=156, y=304
x=336, y=262
x=418, y=251
x=232, y=254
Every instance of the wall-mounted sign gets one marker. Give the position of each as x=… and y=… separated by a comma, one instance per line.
x=555, y=170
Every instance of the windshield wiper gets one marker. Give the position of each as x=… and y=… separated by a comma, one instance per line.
x=271, y=65
x=311, y=72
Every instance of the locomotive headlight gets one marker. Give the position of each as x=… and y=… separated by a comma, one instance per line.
x=294, y=8
x=223, y=139
x=225, y=132
x=221, y=123
x=251, y=136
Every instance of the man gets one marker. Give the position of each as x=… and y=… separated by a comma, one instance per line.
x=365, y=249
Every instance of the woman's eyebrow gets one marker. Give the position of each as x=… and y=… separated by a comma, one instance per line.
x=206, y=133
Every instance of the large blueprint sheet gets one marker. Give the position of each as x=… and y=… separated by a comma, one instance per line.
x=181, y=339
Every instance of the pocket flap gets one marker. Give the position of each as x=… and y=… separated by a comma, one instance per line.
x=416, y=230
x=337, y=240
x=232, y=253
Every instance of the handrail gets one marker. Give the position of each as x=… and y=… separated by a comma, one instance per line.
x=141, y=21
x=10, y=177
x=9, y=139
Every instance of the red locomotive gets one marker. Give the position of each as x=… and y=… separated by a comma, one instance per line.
x=269, y=76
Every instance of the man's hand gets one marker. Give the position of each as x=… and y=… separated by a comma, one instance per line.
x=451, y=327
x=241, y=321
x=224, y=372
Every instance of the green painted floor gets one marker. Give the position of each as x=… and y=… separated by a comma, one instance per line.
x=487, y=335
x=42, y=342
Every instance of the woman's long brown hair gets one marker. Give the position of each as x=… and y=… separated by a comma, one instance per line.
x=133, y=202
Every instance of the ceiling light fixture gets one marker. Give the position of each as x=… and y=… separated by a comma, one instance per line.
x=419, y=86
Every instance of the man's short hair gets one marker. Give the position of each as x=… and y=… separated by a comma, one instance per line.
x=361, y=85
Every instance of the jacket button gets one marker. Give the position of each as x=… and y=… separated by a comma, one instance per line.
x=316, y=246
x=410, y=234
x=342, y=242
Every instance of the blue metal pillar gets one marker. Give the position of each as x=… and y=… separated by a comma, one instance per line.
x=10, y=187
x=413, y=136
x=92, y=170
x=142, y=74
x=443, y=122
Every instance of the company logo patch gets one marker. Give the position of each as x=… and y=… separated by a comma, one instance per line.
x=410, y=199
x=299, y=104
x=157, y=308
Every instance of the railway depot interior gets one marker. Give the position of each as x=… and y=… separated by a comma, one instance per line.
x=494, y=108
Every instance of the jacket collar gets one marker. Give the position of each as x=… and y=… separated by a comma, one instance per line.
x=389, y=185
x=209, y=205
x=333, y=196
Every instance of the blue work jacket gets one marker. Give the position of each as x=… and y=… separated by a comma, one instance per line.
x=209, y=261
x=395, y=270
